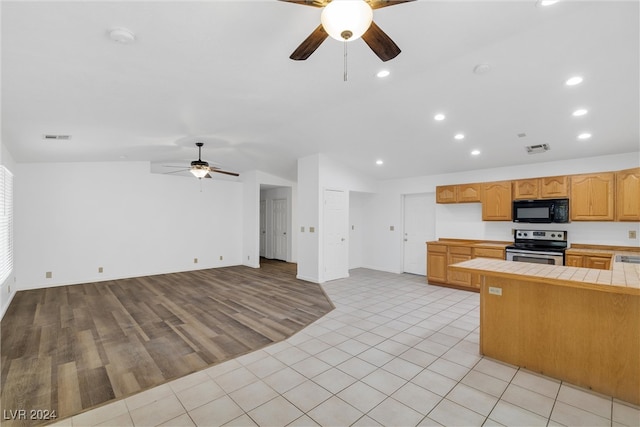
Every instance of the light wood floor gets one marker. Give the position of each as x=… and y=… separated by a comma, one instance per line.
x=71, y=348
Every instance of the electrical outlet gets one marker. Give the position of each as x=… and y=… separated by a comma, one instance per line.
x=248, y=257
x=312, y=229
x=302, y=229
x=633, y=234
x=220, y=257
x=9, y=289
x=100, y=270
x=391, y=228
x=195, y=260
x=495, y=291
x=48, y=275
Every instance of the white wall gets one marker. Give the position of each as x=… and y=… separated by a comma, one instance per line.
x=317, y=173
x=73, y=218
x=308, y=217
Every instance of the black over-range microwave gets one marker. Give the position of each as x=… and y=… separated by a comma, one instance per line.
x=541, y=211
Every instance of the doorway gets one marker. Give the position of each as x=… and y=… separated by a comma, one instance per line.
x=419, y=228
x=275, y=223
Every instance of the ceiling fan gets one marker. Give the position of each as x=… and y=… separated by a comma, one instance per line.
x=348, y=20
x=201, y=169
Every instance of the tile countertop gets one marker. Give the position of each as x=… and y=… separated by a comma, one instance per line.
x=623, y=278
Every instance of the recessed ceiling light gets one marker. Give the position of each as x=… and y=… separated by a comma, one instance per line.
x=585, y=135
x=543, y=3
x=439, y=117
x=579, y=112
x=379, y=162
x=572, y=81
x=475, y=153
x=459, y=136
x=122, y=35
x=383, y=73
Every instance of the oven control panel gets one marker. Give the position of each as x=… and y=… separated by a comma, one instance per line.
x=552, y=235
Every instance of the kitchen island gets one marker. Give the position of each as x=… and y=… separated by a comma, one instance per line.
x=578, y=325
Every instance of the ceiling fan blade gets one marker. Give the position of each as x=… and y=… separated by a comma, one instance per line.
x=380, y=43
x=310, y=44
x=377, y=4
x=314, y=3
x=178, y=171
x=224, y=172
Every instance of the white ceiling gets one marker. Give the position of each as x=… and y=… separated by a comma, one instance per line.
x=219, y=72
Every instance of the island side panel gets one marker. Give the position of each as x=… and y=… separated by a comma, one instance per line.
x=585, y=337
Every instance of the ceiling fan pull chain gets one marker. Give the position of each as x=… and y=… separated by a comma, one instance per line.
x=345, y=60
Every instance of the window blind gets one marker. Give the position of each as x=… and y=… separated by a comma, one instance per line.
x=6, y=223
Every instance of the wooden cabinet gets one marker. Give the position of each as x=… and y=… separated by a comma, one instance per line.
x=443, y=253
x=479, y=252
x=591, y=197
x=554, y=187
x=458, y=254
x=573, y=260
x=446, y=194
x=550, y=187
x=468, y=193
x=461, y=193
x=628, y=195
x=437, y=263
x=526, y=189
x=588, y=260
x=496, y=201
x=599, y=262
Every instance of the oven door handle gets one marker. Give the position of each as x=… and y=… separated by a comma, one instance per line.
x=533, y=254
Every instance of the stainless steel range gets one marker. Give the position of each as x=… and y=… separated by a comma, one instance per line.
x=538, y=246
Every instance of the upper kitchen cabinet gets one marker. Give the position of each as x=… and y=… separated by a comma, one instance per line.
x=496, y=201
x=526, y=189
x=468, y=193
x=628, y=195
x=461, y=193
x=591, y=197
x=446, y=194
x=549, y=187
x=554, y=187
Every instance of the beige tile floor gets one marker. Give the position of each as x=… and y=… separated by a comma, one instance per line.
x=394, y=352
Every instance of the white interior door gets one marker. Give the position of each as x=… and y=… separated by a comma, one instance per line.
x=419, y=227
x=335, y=232
x=280, y=226
x=263, y=228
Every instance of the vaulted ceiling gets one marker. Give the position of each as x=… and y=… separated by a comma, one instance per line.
x=219, y=72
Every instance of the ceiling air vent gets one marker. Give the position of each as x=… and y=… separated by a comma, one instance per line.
x=535, y=149
x=62, y=137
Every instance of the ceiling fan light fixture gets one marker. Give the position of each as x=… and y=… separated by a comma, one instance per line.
x=346, y=20
x=199, y=171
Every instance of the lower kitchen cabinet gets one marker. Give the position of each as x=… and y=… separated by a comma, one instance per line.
x=441, y=254
x=437, y=263
x=458, y=254
x=597, y=261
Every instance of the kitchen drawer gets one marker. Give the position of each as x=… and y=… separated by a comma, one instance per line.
x=460, y=250
x=488, y=253
x=434, y=247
